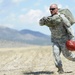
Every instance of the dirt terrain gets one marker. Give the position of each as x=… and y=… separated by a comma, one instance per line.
x=37, y=60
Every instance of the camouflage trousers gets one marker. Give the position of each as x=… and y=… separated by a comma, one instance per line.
x=58, y=48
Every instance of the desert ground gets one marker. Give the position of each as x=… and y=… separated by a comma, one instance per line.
x=33, y=60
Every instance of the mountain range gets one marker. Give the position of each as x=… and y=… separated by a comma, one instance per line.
x=11, y=37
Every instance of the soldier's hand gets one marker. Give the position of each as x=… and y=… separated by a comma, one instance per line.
x=42, y=21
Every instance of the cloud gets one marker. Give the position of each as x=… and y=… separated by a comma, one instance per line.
x=17, y=1
x=31, y=17
x=9, y=21
x=11, y=17
x=46, y=10
x=1, y=1
x=7, y=25
x=61, y=6
x=38, y=2
x=24, y=9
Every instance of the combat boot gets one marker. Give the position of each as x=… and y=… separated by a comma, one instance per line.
x=60, y=70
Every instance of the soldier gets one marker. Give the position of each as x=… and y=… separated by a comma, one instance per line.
x=57, y=23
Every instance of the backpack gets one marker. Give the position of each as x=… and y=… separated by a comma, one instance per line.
x=68, y=15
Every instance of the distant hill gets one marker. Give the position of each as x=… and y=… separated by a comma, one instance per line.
x=23, y=37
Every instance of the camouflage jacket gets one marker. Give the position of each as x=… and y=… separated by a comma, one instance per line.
x=59, y=26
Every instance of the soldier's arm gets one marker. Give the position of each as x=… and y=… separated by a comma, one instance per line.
x=47, y=21
x=43, y=21
x=50, y=21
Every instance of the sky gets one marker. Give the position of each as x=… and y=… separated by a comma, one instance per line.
x=25, y=14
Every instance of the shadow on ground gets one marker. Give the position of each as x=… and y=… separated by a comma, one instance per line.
x=39, y=72
x=69, y=72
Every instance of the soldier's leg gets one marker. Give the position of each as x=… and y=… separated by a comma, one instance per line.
x=68, y=54
x=58, y=62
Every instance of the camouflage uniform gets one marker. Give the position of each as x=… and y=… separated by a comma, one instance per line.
x=60, y=33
